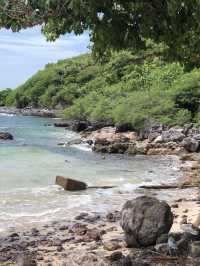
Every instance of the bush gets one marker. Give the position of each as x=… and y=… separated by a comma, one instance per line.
x=128, y=88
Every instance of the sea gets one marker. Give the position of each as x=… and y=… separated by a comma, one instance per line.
x=30, y=163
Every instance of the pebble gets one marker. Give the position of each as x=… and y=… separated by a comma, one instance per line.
x=174, y=205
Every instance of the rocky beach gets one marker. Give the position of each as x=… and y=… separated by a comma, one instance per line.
x=89, y=237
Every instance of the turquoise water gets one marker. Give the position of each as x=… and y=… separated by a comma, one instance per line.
x=30, y=163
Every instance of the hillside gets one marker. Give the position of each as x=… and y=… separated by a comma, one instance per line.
x=128, y=88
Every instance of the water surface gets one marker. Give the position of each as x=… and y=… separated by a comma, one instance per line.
x=29, y=164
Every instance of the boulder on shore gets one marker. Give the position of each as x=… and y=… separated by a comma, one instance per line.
x=5, y=136
x=144, y=220
x=62, y=124
x=191, y=144
x=70, y=184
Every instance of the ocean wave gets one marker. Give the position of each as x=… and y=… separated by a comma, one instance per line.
x=83, y=147
x=7, y=215
x=6, y=114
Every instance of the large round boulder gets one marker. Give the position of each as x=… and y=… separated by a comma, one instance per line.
x=144, y=220
x=191, y=144
x=5, y=136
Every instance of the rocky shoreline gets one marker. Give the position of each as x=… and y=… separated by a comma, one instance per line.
x=29, y=111
x=92, y=239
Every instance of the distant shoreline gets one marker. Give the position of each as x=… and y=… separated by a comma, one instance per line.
x=29, y=111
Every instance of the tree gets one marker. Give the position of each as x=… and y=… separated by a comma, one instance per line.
x=113, y=23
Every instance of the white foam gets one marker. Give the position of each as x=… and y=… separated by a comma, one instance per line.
x=5, y=114
x=83, y=147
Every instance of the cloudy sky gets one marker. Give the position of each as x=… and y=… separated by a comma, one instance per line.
x=23, y=54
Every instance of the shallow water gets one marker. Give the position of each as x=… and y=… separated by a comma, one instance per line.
x=29, y=164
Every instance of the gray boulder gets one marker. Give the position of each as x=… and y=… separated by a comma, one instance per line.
x=144, y=220
x=174, y=135
x=5, y=136
x=191, y=144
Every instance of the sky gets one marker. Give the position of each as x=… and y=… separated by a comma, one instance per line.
x=23, y=54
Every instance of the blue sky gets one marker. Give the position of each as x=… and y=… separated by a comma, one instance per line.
x=23, y=54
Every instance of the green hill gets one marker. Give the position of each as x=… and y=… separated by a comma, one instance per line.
x=128, y=88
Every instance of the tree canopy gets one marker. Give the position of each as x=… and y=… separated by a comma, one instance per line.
x=113, y=24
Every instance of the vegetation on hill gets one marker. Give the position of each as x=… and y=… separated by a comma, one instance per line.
x=128, y=88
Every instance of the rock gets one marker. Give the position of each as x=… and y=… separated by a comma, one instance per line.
x=29, y=261
x=79, y=126
x=92, y=235
x=191, y=144
x=197, y=137
x=70, y=184
x=162, y=248
x=124, y=127
x=62, y=124
x=98, y=125
x=158, y=139
x=6, y=136
x=174, y=135
x=195, y=249
x=116, y=256
x=151, y=130
x=29, y=111
x=111, y=245
x=144, y=220
x=191, y=157
x=104, y=145
x=162, y=239
x=81, y=216
x=175, y=205
x=183, y=220
x=113, y=216
x=78, y=229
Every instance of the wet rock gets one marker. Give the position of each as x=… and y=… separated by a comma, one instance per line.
x=92, y=218
x=70, y=184
x=62, y=124
x=5, y=136
x=14, y=235
x=144, y=220
x=81, y=216
x=63, y=227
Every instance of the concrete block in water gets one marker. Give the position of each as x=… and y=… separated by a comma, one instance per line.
x=70, y=184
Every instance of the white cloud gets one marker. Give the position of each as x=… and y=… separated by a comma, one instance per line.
x=22, y=54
